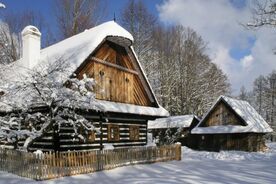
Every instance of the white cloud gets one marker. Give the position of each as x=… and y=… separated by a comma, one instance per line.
x=247, y=61
x=219, y=23
x=2, y=5
x=223, y=59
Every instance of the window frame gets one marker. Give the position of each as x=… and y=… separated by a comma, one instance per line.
x=116, y=136
x=134, y=133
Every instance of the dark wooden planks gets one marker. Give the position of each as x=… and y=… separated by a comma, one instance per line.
x=68, y=142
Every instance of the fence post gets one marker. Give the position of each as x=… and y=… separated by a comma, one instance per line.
x=52, y=165
x=178, y=151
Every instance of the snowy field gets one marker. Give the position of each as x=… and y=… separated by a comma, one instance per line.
x=195, y=167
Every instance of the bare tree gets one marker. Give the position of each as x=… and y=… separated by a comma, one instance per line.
x=272, y=97
x=137, y=19
x=187, y=81
x=164, y=80
x=243, y=93
x=74, y=16
x=262, y=97
x=181, y=74
x=9, y=45
x=259, y=90
x=18, y=20
x=263, y=14
x=10, y=33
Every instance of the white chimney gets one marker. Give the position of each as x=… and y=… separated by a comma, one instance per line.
x=31, y=46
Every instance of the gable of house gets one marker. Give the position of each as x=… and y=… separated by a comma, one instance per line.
x=222, y=115
x=117, y=75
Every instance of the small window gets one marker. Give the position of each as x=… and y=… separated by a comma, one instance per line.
x=113, y=133
x=134, y=133
x=101, y=73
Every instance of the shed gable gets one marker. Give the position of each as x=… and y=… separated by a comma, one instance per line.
x=222, y=115
x=117, y=75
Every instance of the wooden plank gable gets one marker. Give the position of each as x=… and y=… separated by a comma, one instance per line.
x=115, y=54
x=222, y=115
x=117, y=77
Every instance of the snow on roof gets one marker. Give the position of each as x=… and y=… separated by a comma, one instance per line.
x=31, y=30
x=172, y=122
x=109, y=106
x=77, y=48
x=74, y=51
x=254, y=121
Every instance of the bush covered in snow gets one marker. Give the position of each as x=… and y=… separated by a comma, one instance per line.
x=44, y=87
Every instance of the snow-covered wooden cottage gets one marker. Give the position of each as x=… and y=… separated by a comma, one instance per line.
x=230, y=124
x=173, y=126
x=104, y=53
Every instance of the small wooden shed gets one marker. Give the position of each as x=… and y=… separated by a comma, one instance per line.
x=230, y=124
x=181, y=124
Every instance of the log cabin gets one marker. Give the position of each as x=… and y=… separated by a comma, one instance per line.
x=180, y=125
x=230, y=124
x=104, y=53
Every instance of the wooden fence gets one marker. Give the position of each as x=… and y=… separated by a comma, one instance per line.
x=59, y=164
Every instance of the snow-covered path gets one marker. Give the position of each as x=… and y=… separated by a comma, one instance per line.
x=196, y=167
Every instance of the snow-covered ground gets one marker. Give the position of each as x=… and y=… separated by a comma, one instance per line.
x=195, y=167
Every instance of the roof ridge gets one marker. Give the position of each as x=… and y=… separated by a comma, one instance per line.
x=232, y=98
x=77, y=35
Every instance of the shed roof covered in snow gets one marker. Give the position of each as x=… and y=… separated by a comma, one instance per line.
x=75, y=50
x=253, y=121
x=184, y=121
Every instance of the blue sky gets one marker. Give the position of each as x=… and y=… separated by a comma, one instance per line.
x=242, y=54
x=238, y=52
x=45, y=7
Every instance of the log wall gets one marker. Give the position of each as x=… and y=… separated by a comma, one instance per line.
x=64, y=140
x=239, y=141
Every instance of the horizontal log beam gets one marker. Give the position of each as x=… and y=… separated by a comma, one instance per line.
x=114, y=65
